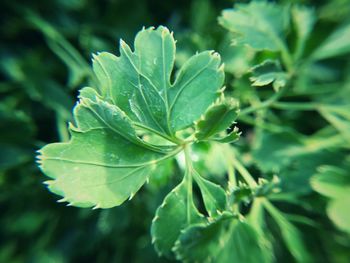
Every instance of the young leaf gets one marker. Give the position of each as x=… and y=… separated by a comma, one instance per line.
x=219, y=117
x=268, y=72
x=260, y=25
x=175, y=214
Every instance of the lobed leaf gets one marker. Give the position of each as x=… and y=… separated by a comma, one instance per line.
x=260, y=25
x=105, y=162
x=139, y=81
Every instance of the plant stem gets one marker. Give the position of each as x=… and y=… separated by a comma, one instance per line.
x=244, y=172
x=304, y=106
x=264, y=104
x=188, y=178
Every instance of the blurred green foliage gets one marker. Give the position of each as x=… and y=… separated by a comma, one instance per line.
x=45, y=58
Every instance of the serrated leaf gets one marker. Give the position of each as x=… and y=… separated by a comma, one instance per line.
x=175, y=214
x=232, y=136
x=219, y=117
x=225, y=240
x=213, y=195
x=269, y=72
x=260, y=25
x=104, y=163
x=139, y=81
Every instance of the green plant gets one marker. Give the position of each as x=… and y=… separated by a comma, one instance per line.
x=143, y=114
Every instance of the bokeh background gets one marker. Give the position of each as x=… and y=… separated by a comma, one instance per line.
x=45, y=54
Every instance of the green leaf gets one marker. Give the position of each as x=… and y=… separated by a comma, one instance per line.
x=139, y=81
x=290, y=234
x=225, y=240
x=200, y=73
x=273, y=151
x=338, y=212
x=219, y=117
x=304, y=20
x=213, y=195
x=260, y=25
x=334, y=183
x=104, y=163
x=175, y=214
x=269, y=72
x=331, y=181
x=338, y=116
x=337, y=44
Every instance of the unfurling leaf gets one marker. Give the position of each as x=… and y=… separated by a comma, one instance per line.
x=218, y=118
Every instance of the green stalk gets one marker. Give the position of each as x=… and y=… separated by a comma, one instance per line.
x=244, y=172
x=188, y=179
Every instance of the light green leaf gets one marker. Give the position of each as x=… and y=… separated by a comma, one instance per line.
x=339, y=117
x=304, y=19
x=337, y=44
x=219, y=117
x=260, y=25
x=104, y=163
x=338, y=212
x=331, y=181
x=213, y=195
x=269, y=72
x=175, y=214
x=225, y=240
x=334, y=183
